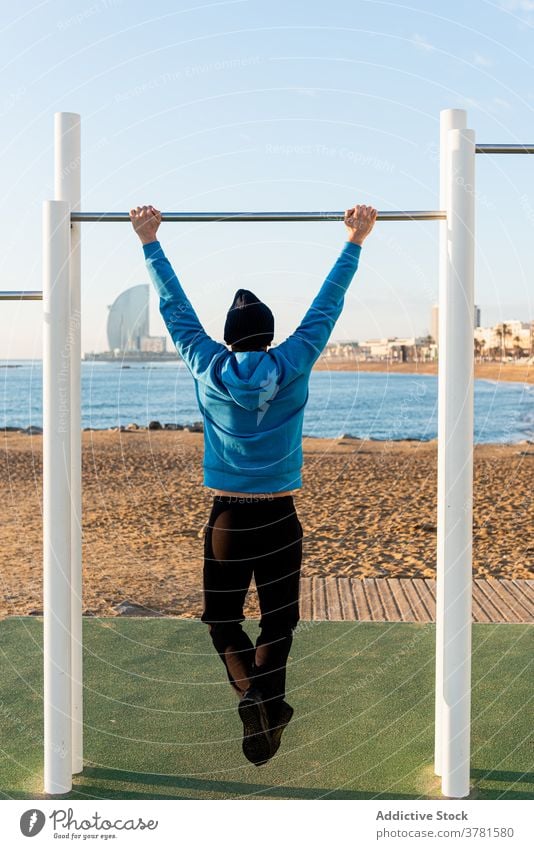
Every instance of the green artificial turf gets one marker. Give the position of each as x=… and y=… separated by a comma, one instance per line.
x=161, y=719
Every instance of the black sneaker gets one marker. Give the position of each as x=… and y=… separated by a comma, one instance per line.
x=280, y=717
x=257, y=743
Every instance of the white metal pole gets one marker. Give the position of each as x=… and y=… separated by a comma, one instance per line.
x=458, y=465
x=450, y=119
x=67, y=178
x=56, y=499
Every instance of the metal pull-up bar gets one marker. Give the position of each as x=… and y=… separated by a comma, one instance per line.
x=63, y=726
x=504, y=148
x=394, y=215
x=21, y=296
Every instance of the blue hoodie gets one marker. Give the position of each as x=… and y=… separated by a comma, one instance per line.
x=252, y=402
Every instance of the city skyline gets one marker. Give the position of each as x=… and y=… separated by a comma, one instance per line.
x=150, y=343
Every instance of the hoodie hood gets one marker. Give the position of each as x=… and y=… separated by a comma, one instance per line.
x=251, y=378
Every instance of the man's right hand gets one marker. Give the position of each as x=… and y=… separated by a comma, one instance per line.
x=359, y=222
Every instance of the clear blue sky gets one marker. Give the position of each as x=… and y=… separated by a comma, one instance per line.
x=254, y=105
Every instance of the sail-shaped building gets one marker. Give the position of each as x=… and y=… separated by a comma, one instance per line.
x=128, y=319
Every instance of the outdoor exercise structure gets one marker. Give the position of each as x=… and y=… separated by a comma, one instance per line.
x=62, y=513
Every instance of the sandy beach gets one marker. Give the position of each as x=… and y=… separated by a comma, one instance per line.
x=368, y=510
x=520, y=372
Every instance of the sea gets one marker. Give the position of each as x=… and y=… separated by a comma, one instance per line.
x=367, y=405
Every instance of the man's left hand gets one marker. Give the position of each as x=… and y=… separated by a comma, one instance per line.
x=145, y=221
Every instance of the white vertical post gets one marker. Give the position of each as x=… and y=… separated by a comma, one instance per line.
x=458, y=465
x=67, y=178
x=56, y=499
x=450, y=119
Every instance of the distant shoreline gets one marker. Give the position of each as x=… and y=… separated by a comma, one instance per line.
x=514, y=372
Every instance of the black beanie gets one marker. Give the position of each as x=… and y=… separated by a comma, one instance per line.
x=249, y=323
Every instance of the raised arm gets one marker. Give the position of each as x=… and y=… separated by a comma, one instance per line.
x=306, y=344
x=190, y=339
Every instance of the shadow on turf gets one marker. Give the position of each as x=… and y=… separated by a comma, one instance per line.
x=107, y=778
x=502, y=775
x=239, y=790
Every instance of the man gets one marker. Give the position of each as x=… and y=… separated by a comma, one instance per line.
x=252, y=400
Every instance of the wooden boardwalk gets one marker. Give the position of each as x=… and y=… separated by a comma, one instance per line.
x=409, y=600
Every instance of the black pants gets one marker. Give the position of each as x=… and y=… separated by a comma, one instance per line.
x=260, y=538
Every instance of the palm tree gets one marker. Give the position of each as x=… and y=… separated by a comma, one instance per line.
x=503, y=330
x=427, y=342
x=517, y=349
